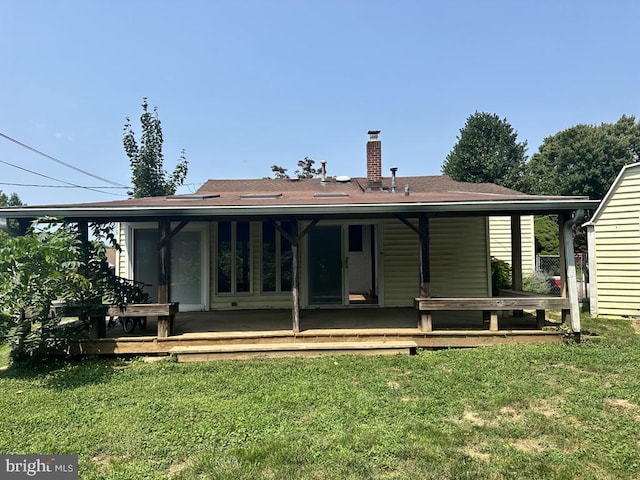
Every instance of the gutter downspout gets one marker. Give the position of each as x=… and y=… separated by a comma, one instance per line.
x=572, y=283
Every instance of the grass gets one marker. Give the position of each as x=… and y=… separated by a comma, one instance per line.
x=525, y=412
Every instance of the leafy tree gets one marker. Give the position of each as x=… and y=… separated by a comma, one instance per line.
x=9, y=200
x=50, y=264
x=148, y=177
x=487, y=151
x=279, y=172
x=305, y=169
x=584, y=159
x=546, y=233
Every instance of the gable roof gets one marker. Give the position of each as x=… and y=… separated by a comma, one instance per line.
x=610, y=192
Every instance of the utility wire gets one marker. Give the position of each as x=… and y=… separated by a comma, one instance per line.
x=17, y=142
x=54, y=186
x=61, y=181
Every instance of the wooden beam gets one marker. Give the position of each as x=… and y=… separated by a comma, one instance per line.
x=516, y=253
x=295, y=298
x=571, y=286
x=172, y=233
x=304, y=232
x=425, y=267
x=404, y=220
x=164, y=261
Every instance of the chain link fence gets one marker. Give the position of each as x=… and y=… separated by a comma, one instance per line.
x=548, y=266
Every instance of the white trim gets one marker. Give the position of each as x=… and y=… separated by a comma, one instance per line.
x=592, y=269
x=609, y=194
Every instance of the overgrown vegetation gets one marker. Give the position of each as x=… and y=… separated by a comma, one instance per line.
x=51, y=265
x=527, y=412
x=500, y=275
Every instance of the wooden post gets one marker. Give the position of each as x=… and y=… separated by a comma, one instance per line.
x=97, y=327
x=164, y=260
x=571, y=287
x=424, y=319
x=295, y=310
x=516, y=253
x=516, y=258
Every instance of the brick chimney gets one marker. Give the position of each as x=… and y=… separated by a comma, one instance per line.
x=374, y=161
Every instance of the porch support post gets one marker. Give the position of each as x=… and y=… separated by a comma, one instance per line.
x=83, y=230
x=516, y=258
x=516, y=253
x=164, y=260
x=571, y=287
x=424, y=322
x=164, y=274
x=295, y=300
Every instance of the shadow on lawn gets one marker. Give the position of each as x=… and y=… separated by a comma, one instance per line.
x=63, y=374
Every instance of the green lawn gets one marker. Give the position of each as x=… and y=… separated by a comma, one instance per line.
x=553, y=411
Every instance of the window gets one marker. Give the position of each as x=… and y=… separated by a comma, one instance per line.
x=233, y=258
x=277, y=262
x=355, y=238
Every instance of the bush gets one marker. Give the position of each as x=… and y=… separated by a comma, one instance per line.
x=536, y=282
x=500, y=275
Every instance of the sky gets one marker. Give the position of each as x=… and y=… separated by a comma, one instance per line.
x=241, y=85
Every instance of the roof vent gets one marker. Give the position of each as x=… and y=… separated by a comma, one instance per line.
x=330, y=195
x=248, y=196
x=343, y=179
x=193, y=196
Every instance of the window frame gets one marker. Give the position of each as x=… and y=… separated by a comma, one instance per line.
x=234, y=257
x=278, y=263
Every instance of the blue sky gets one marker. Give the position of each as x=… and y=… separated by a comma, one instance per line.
x=242, y=85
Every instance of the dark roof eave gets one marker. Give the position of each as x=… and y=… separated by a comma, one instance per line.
x=442, y=208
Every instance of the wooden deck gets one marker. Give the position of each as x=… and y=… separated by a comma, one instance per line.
x=265, y=333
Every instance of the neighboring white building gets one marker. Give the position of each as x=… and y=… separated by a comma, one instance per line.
x=613, y=235
x=500, y=241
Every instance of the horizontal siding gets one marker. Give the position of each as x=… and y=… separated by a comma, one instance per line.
x=401, y=264
x=617, y=247
x=459, y=257
x=122, y=257
x=500, y=240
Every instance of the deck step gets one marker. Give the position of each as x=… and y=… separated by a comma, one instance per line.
x=292, y=349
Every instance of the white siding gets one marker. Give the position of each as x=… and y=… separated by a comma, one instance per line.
x=617, y=248
x=122, y=257
x=458, y=259
x=500, y=241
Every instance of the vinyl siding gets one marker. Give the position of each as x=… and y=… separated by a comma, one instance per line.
x=500, y=241
x=458, y=260
x=617, y=248
x=122, y=257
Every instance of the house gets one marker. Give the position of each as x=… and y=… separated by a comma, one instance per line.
x=613, y=238
x=331, y=242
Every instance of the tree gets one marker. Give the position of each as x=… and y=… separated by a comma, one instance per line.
x=305, y=169
x=9, y=200
x=49, y=263
x=148, y=177
x=584, y=159
x=487, y=151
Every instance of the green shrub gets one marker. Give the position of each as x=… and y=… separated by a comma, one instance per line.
x=500, y=275
x=536, y=282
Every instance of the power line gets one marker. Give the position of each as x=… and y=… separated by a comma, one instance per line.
x=61, y=181
x=17, y=142
x=54, y=186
